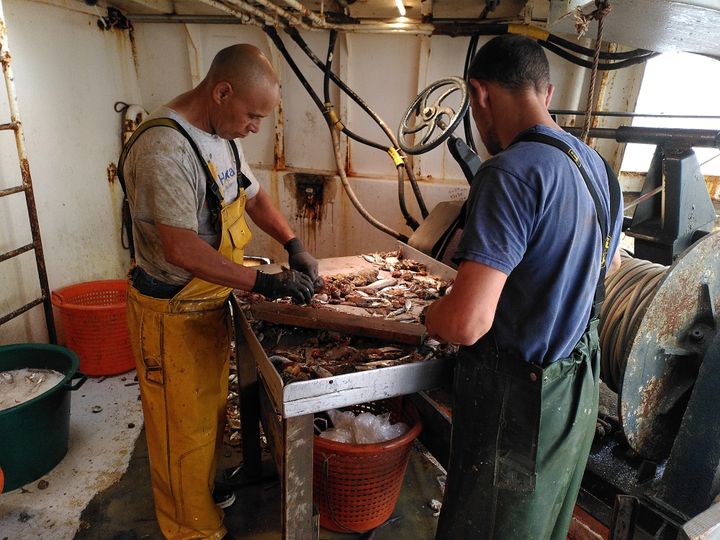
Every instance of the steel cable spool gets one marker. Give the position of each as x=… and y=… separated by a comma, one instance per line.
x=657, y=327
x=627, y=295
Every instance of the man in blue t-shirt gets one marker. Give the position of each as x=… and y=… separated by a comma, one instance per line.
x=523, y=308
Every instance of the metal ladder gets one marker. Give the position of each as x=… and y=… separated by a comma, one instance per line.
x=27, y=189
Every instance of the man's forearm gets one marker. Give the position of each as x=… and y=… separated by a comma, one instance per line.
x=468, y=311
x=185, y=249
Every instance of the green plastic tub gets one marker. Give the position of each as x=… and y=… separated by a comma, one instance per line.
x=34, y=434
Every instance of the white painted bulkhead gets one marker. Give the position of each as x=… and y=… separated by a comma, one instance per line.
x=69, y=73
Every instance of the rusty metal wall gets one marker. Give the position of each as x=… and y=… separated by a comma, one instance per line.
x=69, y=80
x=68, y=73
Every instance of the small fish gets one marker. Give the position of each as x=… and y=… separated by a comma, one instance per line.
x=427, y=280
x=397, y=312
x=406, y=307
x=321, y=372
x=377, y=364
x=280, y=361
x=379, y=284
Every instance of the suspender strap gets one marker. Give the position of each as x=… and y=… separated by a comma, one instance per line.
x=244, y=180
x=213, y=196
x=606, y=230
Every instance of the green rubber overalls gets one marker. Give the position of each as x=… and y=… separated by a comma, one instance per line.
x=181, y=349
x=521, y=433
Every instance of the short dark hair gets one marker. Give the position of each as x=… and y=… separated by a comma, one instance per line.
x=514, y=62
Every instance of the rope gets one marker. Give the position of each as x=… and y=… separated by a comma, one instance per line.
x=628, y=293
x=582, y=23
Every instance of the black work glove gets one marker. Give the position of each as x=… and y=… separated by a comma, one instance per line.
x=302, y=261
x=286, y=283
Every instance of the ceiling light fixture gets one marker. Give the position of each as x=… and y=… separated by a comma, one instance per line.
x=401, y=7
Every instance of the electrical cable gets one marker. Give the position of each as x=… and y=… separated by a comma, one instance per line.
x=295, y=35
x=628, y=292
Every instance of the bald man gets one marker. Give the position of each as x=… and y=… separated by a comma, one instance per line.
x=189, y=188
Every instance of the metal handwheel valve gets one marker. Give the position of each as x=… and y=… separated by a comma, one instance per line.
x=421, y=119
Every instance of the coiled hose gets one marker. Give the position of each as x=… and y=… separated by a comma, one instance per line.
x=628, y=293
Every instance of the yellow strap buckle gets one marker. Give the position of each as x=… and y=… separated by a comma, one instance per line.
x=333, y=117
x=396, y=157
x=606, y=248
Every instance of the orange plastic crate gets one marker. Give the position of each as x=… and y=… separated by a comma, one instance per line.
x=356, y=486
x=94, y=321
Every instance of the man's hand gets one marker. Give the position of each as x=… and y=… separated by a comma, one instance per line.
x=302, y=261
x=286, y=283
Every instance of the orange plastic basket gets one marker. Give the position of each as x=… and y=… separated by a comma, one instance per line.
x=95, y=325
x=356, y=486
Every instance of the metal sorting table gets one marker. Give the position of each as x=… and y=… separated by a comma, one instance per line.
x=286, y=411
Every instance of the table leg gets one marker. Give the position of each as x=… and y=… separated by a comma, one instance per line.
x=297, y=485
x=249, y=408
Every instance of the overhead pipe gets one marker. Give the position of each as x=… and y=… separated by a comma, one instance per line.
x=290, y=17
x=244, y=17
x=247, y=14
x=251, y=10
x=297, y=6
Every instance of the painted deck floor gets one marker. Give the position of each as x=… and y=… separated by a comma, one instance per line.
x=101, y=489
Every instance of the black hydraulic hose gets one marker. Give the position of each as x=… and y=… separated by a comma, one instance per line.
x=409, y=220
x=467, y=126
x=328, y=110
x=588, y=64
x=575, y=47
x=273, y=35
x=295, y=35
x=328, y=64
x=541, y=35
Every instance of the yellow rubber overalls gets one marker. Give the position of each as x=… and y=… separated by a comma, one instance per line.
x=181, y=349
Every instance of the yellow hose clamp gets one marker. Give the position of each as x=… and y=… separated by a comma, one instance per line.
x=529, y=31
x=333, y=117
x=396, y=157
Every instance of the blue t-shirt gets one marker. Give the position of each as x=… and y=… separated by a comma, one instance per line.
x=531, y=216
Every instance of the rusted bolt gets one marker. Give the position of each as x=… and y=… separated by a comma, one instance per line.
x=697, y=335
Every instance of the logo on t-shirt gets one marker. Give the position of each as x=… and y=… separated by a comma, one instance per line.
x=226, y=180
x=225, y=177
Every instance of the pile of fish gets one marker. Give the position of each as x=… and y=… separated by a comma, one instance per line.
x=233, y=435
x=407, y=286
x=301, y=355
x=394, y=289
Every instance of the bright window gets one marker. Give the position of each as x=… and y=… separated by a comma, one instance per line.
x=678, y=83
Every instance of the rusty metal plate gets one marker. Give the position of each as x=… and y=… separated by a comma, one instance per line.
x=668, y=348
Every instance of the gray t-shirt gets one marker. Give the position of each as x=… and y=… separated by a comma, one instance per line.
x=166, y=184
